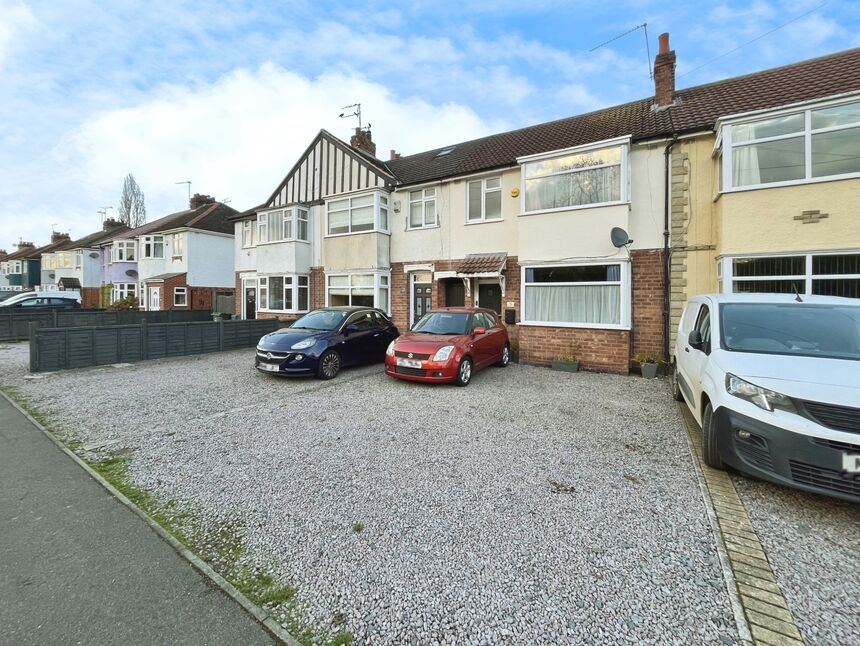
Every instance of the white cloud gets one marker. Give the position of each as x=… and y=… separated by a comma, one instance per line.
x=15, y=19
x=238, y=137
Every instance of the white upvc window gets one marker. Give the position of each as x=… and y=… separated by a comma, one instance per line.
x=484, y=200
x=828, y=274
x=64, y=259
x=119, y=291
x=142, y=298
x=178, y=244
x=283, y=293
x=283, y=225
x=422, y=209
x=360, y=214
x=248, y=233
x=17, y=267
x=576, y=178
x=588, y=295
x=152, y=246
x=4, y=268
x=49, y=261
x=180, y=296
x=792, y=147
x=79, y=259
x=123, y=251
x=366, y=289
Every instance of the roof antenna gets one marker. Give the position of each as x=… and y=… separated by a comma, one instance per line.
x=644, y=27
x=796, y=293
x=355, y=113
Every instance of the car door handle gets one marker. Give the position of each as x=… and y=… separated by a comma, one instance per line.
x=686, y=349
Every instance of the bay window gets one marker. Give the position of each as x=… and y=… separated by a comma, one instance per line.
x=827, y=274
x=422, y=208
x=581, y=177
x=358, y=214
x=283, y=225
x=802, y=146
x=362, y=290
x=123, y=251
x=119, y=291
x=152, y=247
x=484, y=199
x=284, y=293
x=582, y=295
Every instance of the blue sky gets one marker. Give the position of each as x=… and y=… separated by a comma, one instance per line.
x=228, y=94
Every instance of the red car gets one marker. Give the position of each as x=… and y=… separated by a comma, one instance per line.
x=449, y=344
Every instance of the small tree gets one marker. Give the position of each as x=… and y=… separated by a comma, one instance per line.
x=132, y=210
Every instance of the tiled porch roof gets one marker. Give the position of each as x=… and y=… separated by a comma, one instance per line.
x=482, y=263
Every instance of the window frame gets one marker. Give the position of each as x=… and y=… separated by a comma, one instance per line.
x=119, y=291
x=146, y=241
x=484, y=190
x=725, y=146
x=263, y=285
x=624, y=176
x=180, y=291
x=177, y=246
x=248, y=231
x=121, y=248
x=422, y=200
x=727, y=278
x=625, y=283
x=378, y=207
x=291, y=215
x=378, y=287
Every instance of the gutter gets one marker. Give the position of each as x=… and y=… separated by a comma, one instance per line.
x=667, y=260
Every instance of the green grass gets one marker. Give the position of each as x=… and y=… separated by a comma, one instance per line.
x=358, y=527
x=222, y=548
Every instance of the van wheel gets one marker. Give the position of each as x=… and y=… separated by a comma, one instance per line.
x=676, y=387
x=328, y=365
x=710, y=450
x=464, y=372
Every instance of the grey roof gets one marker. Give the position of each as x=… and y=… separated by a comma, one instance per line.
x=165, y=276
x=207, y=217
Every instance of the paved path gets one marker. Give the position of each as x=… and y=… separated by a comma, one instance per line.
x=78, y=567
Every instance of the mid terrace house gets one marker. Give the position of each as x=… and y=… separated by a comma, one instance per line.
x=21, y=269
x=585, y=234
x=181, y=261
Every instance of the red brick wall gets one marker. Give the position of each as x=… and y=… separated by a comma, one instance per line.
x=91, y=297
x=604, y=350
x=240, y=296
x=317, y=288
x=647, y=270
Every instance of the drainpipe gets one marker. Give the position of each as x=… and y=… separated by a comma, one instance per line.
x=667, y=232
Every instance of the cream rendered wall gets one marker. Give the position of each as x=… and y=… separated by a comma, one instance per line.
x=582, y=233
x=762, y=221
x=700, y=229
x=245, y=258
x=209, y=259
x=356, y=251
x=647, y=197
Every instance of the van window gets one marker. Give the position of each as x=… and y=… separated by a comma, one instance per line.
x=689, y=316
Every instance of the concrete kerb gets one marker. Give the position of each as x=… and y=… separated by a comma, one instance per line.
x=274, y=628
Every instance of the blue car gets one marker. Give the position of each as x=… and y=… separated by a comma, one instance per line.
x=326, y=340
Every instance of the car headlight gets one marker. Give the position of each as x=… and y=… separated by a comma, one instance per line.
x=390, y=349
x=761, y=397
x=304, y=343
x=443, y=353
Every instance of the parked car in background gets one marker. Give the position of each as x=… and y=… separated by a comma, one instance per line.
x=326, y=340
x=40, y=301
x=774, y=382
x=6, y=294
x=449, y=345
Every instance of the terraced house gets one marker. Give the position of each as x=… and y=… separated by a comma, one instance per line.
x=586, y=234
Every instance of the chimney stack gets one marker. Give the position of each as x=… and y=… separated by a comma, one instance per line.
x=199, y=200
x=56, y=236
x=25, y=245
x=363, y=140
x=110, y=223
x=3, y=254
x=395, y=154
x=664, y=75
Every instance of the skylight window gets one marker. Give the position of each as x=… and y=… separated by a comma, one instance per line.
x=445, y=151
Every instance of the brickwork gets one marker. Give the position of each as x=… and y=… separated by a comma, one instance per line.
x=240, y=296
x=679, y=212
x=647, y=270
x=601, y=350
x=317, y=285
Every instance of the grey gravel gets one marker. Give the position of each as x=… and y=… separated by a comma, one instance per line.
x=813, y=543
x=466, y=539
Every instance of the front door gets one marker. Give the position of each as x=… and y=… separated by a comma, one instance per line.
x=455, y=293
x=490, y=296
x=154, y=299
x=422, y=300
x=250, y=302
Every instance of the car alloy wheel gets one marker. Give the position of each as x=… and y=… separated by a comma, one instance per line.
x=464, y=372
x=329, y=365
x=506, y=356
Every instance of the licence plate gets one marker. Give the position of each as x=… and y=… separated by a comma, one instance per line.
x=408, y=363
x=269, y=367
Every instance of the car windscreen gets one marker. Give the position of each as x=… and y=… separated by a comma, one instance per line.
x=443, y=323
x=796, y=329
x=321, y=320
x=17, y=298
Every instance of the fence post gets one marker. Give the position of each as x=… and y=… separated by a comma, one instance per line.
x=221, y=335
x=170, y=316
x=34, y=347
x=144, y=340
x=54, y=317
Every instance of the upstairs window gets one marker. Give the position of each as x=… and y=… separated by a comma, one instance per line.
x=422, y=208
x=589, y=177
x=484, y=198
x=178, y=245
x=793, y=148
x=283, y=225
x=248, y=233
x=79, y=259
x=152, y=247
x=358, y=214
x=123, y=251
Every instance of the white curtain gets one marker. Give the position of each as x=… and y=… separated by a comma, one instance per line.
x=597, y=304
x=745, y=170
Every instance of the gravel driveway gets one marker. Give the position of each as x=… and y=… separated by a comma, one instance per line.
x=531, y=507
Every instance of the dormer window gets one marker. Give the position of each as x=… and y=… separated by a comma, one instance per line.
x=792, y=147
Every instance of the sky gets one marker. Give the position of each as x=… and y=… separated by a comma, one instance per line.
x=228, y=94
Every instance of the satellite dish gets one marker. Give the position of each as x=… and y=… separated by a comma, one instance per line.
x=619, y=237
x=94, y=254
x=131, y=272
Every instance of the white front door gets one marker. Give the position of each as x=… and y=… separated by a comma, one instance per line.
x=154, y=299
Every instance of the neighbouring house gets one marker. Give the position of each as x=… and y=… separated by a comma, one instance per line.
x=23, y=268
x=182, y=261
x=532, y=223
x=4, y=279
x=77, y=266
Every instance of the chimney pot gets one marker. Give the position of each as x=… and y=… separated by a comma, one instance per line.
x=363, y=140
x=664, y=75
x=393, y=154
x=664, y=43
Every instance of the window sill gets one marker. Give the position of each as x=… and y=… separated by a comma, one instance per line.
x=356, y=233
x=491, y=221
x=270, y=242
x=282, y=311
x=579, y=207
x=585, y=326
x=429, y=226
x=799, y=182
